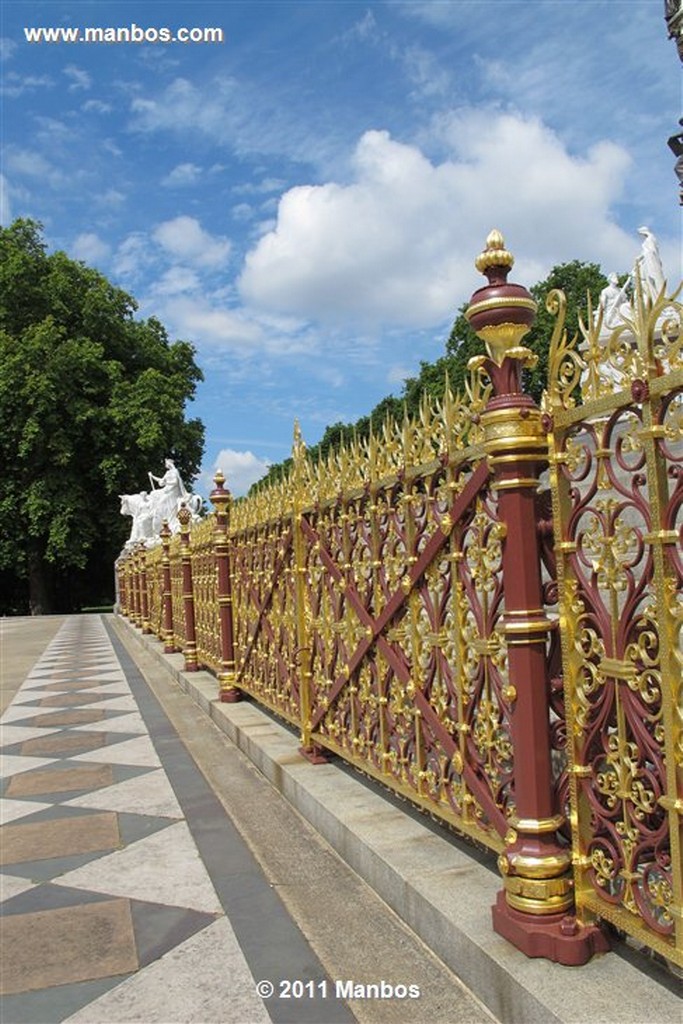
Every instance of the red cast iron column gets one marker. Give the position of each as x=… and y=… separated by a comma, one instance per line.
x=535, y=909
x=221, y=500
x=167, y=598
x=190, y=649
x=144, y=591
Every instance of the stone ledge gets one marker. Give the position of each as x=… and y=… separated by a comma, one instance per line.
x=441, y=892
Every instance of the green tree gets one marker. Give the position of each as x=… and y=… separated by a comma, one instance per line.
x=90, y=400
x=576, y=280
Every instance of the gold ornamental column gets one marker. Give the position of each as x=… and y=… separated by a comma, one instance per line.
x=167, y=597
x=535, y=909
x=190, y=648
x=221, y=499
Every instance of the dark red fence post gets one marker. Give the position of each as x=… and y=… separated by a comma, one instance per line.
x=190, y=649
x=535, y=909
x=221, y=500
x=167, y=596
x=144, y=591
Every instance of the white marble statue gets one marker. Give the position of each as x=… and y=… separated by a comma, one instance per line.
x=140, y=508
x=612, y=298
x=166, y=499
x=649, y=265
x=150, y=509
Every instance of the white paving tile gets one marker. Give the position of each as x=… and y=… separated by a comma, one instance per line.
x=148, y=794
x=206, y=979
x=15, y=764
x=138, y=751
x=25, y=696
x=11, y=886
x=33, y=685
x=18, y=733
x=17, y=712
x=115, y=689
x=117, y=704
x=122, y=723
x=11, y=810
x=163, y=868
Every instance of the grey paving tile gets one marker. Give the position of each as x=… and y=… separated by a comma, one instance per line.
x=54, y=1004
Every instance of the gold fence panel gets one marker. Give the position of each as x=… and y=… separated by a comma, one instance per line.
x=177, y=589
x=155, y=590
x=205, y=590
x=367, y=597
x=615, y=418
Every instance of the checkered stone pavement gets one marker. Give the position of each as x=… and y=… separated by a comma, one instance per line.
x=119, y=870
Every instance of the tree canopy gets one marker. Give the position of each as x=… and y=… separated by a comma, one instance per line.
x=90, y=399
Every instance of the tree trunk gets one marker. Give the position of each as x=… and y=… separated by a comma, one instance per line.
x=39, y=589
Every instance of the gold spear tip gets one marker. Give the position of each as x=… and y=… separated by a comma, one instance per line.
x=495, y=254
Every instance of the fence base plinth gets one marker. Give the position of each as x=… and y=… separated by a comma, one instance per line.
x=556, y=937
x=230, y=696
x=314, y=754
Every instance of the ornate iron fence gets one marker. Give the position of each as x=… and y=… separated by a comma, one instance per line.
x=506, y=655
x=617, y=468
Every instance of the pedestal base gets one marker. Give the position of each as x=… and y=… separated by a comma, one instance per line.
x=557, y=937
x=313, y=754
x=231, y=696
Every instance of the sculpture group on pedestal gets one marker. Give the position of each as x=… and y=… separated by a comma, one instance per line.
x=648, y=271
x=150, y=509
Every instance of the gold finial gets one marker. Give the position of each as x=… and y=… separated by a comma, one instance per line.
x=219, y=478
x=495, y=254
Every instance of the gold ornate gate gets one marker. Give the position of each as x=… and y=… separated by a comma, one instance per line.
x=614, y=413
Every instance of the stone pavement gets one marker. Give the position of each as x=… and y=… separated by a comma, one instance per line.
x=127, y=892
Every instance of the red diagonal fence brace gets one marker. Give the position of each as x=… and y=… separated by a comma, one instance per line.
x=398, y=603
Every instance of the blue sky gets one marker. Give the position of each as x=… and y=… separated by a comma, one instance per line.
x=304, y=200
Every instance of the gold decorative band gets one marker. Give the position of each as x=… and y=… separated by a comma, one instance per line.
x=537, y=825
x=517, y=481
x=497, y=303
x=540, y=625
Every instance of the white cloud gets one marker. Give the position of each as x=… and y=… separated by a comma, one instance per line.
x=90, y=248
x=185, y=238
x=5, y=205
x=111, y=198
x=395, y=246
x=176, y=280
x=80, y=79
x=14, y=85
x=424, y=72
x=397, y=374
x=132, y=256
x=7, y=47
x=198, y=320
x=241, y=469
x=182, y=176
x=30, y=164
x=97, y=107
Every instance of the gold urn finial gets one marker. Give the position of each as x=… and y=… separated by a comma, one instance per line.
x=500, y=313
x=495, y=254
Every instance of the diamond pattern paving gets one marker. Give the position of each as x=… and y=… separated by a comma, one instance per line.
x=109, y=911
x=64, y=944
